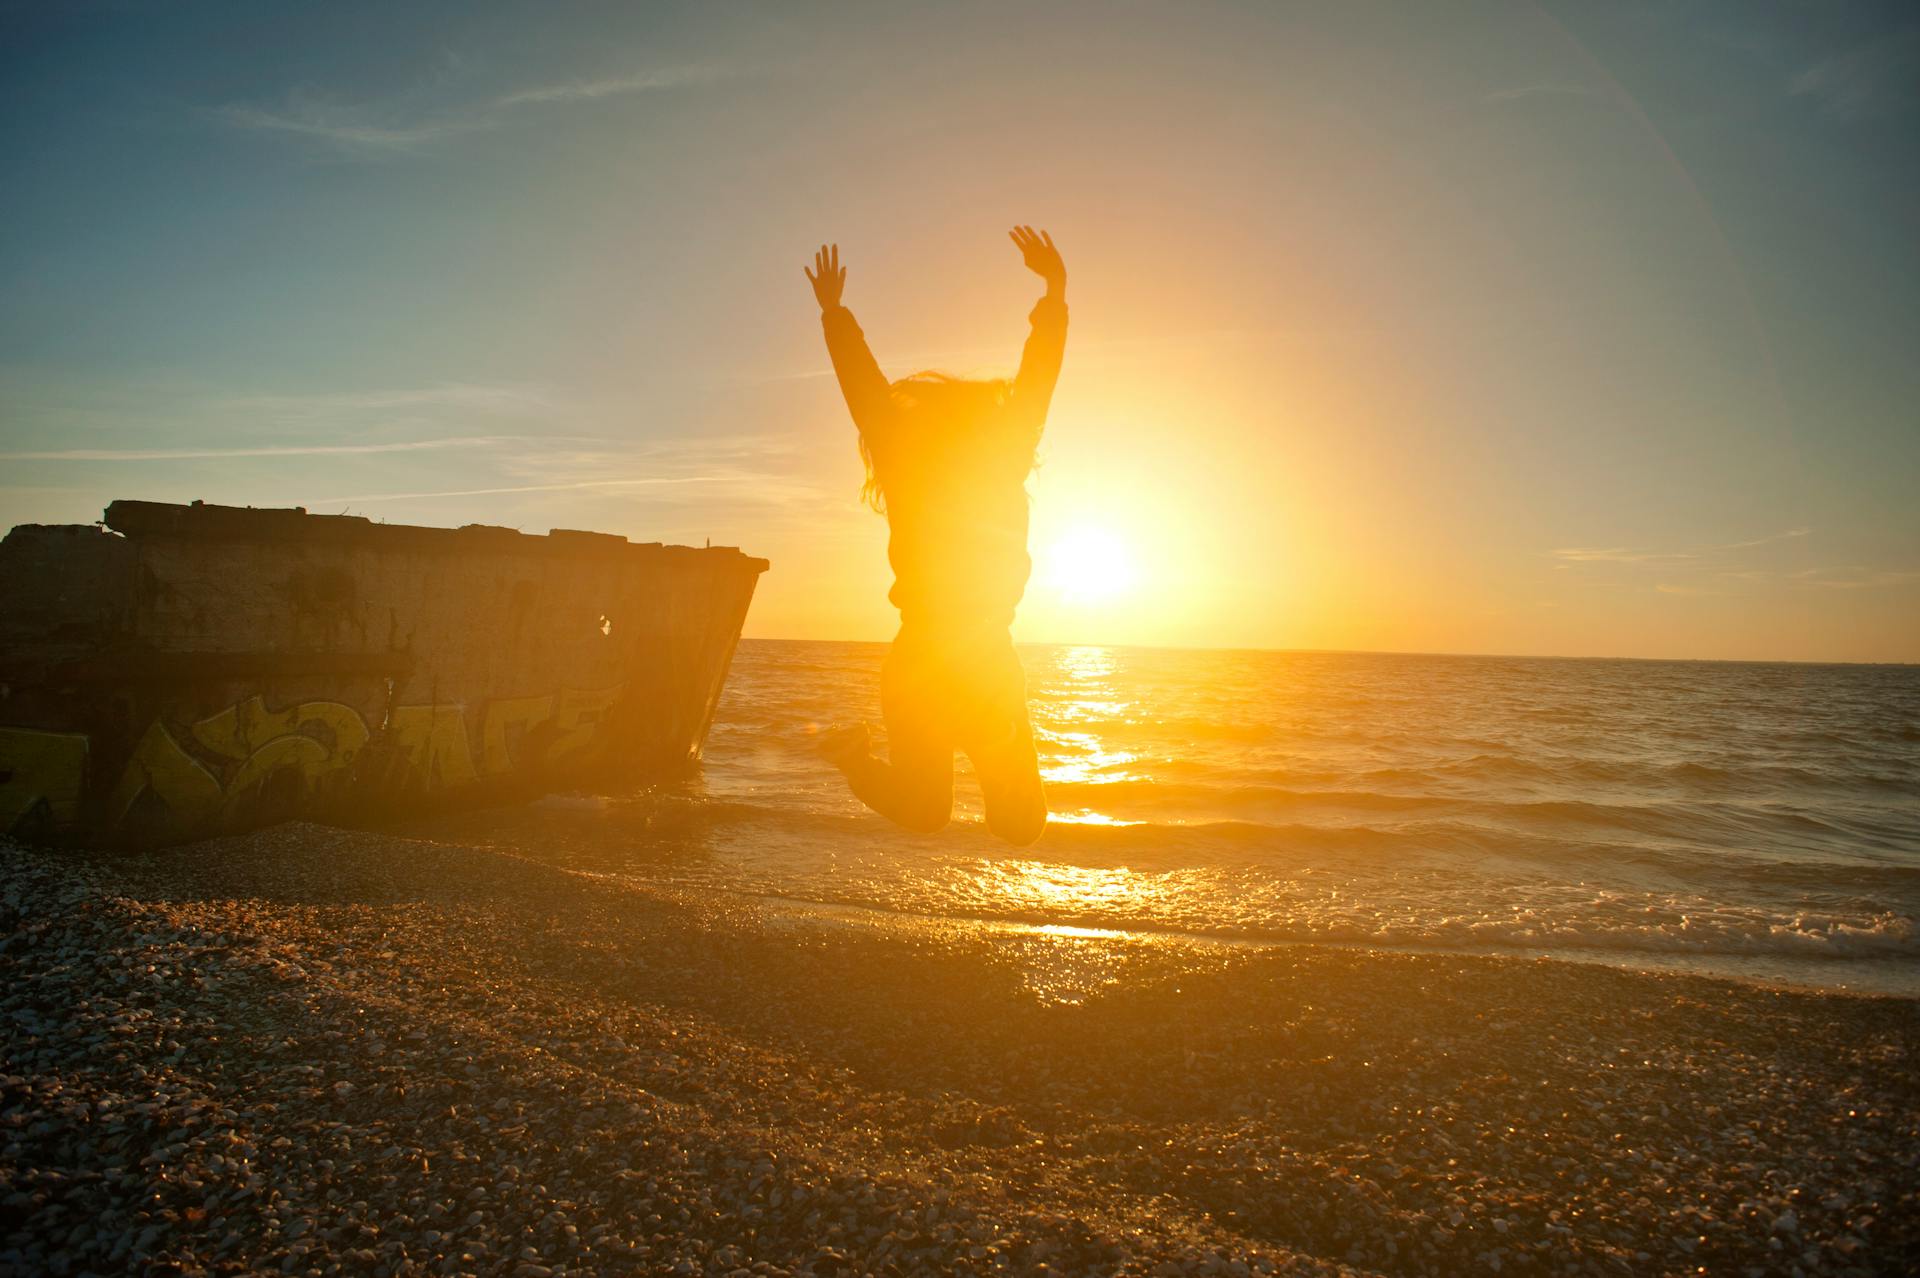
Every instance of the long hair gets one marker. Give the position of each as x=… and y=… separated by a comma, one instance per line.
x=929, y=402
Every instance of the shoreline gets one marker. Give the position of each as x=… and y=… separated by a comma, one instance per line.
x=308, y=1047
x=1880, y=979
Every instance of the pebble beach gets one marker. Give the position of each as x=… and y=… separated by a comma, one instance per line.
x=309, y=1050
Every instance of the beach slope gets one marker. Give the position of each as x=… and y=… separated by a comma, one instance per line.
x=308, y=1050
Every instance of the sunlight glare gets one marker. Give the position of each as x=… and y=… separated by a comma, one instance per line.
x=1091, y=565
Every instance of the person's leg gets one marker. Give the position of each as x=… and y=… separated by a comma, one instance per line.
x=913, y=786
x=1009, y=772
x=1000, y=743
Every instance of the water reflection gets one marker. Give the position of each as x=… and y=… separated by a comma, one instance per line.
x=1082, y=758
x=1084, y=664
x=1046, y=887
x=1085, y=700
x=1640, y=809
x=1087, y=816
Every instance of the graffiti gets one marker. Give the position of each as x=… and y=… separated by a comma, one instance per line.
x=168, y=777
x=298, y=748
x=509, y=721
x=249, y=760
x=577, y=719
x=248, y=728
x=430, y=745
x=41, y=777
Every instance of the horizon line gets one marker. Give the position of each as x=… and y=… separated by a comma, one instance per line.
x=1388, y=652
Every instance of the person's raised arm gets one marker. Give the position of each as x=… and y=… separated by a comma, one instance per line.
x=861, y=380
x=1047, y=344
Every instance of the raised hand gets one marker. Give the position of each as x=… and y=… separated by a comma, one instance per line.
x=1042, y=258
x=828, y=277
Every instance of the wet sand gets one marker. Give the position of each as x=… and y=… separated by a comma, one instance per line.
x=311, y=1050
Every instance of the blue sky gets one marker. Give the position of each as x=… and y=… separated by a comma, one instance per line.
x=1563, y=328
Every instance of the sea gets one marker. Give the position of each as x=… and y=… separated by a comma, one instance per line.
x=1747, y=820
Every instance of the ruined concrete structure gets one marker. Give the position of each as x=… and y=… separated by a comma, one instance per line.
x=188, y=670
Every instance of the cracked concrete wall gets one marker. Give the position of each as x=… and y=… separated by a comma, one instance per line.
x=200, y=669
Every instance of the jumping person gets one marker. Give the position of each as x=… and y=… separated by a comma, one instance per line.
x=947, y=463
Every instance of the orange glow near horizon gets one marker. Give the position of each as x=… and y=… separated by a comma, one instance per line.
x=1429, y=337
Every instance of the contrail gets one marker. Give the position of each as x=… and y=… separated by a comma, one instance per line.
x=284, y=450
x=529, y=488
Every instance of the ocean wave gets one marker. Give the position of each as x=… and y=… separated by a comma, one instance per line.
x=1331, y=828
x=1719, y=931
x=1882, y=937
x=1650, y=930
x=1489, y=804
x=1482, y=771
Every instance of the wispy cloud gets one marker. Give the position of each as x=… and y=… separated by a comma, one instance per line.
x=1873, y=79
x=1790, y=534
x=273, y=450
x=574, y=486
x=1658, y=558
x=347, y=128
x=752, y=469
x=384, y=448
x=1854, y=577
x=613, y=86
x=1541, y=89
x=497, y=400
x=1724, y=567
x=1619, y=555
x=402, y=125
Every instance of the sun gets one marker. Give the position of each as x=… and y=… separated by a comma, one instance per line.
x=1090, y=565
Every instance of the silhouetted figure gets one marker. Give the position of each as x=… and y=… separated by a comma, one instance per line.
x=947, y=461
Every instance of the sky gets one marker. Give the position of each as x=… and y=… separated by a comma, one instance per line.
x=1561, y=329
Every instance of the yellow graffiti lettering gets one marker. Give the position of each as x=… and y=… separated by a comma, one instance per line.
x=228, y=732
x=304, y=758
x=503, y=714
x=432, y=741
x=310, y=740
x=160, y=768
x=342, y=722
x=41, y=768
x=578, y=716
x=247, y=726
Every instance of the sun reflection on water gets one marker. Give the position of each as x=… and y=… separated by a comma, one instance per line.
x=1064, y=962
x=1048, y=887
x=1081, y=710
x=1080, y=933
x=1083, y=664
x=1087, y=817
x=1072, y=754
x=1088, y=760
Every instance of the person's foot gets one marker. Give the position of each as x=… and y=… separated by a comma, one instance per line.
x=841, y=746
